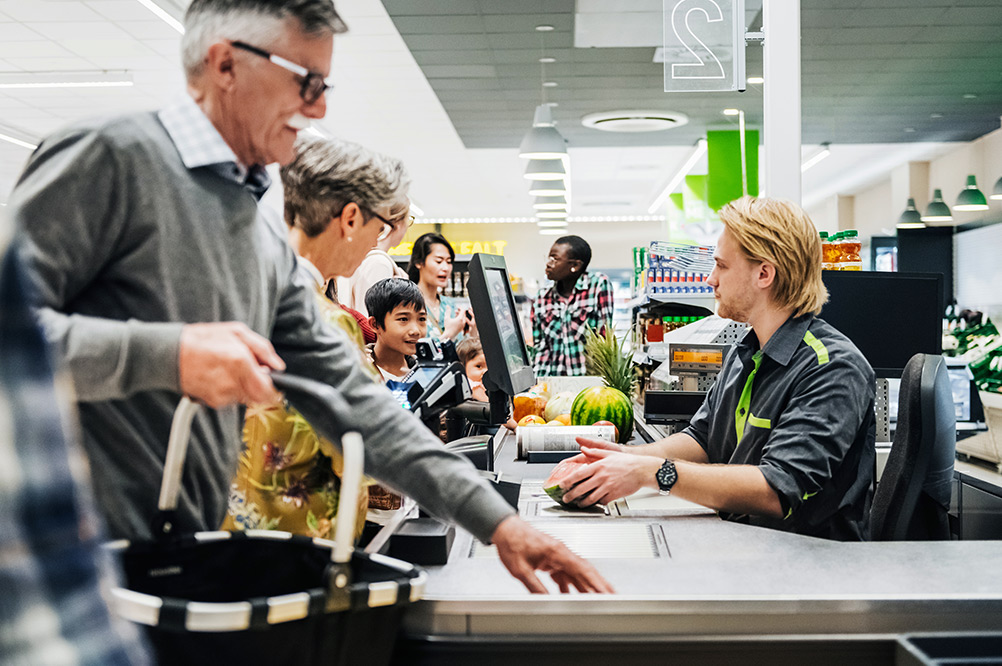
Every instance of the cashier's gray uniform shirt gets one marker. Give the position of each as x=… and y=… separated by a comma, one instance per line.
x=806, y=421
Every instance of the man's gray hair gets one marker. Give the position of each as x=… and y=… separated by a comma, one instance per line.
x=256, y=22
x=328, y=174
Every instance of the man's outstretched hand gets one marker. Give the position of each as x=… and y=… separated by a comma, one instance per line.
x=524, y=550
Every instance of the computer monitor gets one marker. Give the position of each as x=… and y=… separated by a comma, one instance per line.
x=890, y=317
x=508, y=368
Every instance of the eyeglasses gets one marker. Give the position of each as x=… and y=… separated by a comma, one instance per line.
x=387, y=229
x=314, y=85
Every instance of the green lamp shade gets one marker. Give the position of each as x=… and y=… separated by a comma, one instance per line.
x=547, y=188
x=911, y=218
x=971, y=198
x=997, y=190
x=545, y=170
x=937, y=211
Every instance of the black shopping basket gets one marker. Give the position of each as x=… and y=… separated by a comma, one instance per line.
x=262, y=596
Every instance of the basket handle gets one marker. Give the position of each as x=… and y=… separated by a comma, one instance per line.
x=177, y=449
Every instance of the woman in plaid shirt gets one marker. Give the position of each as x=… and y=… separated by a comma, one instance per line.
x=577, y=300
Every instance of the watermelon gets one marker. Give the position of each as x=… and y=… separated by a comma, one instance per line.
x=560, y=472
x=604, y=403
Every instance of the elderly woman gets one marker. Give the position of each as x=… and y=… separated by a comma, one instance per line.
x=339, y=202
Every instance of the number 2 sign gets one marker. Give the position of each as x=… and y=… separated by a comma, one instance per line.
x=704, y=45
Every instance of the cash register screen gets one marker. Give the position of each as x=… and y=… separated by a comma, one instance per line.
x=508, y=368
x=504, y=315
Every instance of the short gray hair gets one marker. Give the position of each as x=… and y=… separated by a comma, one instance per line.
x=328, y=174
x=257, y=22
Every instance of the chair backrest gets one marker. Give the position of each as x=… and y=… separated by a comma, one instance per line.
x=913, y=496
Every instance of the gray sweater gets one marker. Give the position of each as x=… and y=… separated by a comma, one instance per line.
x=127, y=244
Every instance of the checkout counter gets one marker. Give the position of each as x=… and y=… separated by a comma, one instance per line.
x=691, y=585
x=691, y=588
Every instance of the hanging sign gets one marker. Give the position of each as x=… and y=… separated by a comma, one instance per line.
x=704, y=45
x=461, y=247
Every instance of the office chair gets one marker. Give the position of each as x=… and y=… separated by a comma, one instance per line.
x=913, y=495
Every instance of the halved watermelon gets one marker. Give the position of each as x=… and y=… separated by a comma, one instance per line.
x=552, y=484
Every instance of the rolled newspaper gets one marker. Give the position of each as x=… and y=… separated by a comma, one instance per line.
x=557, y=438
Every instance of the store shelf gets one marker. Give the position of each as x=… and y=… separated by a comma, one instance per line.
x=696, y=299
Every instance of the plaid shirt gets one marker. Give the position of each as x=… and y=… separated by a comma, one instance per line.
x=52, y=568
x=558, y=324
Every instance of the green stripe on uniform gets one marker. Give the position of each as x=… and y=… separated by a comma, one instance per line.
x=818, y=347
x=759, y=423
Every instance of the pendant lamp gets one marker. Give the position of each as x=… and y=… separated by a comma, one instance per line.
x=543, y=141
x=545, y=170
x=550, y=203
x=548, y=188
x=997, y=190
x=937, y=211
x=971, y=198
x=911, y=218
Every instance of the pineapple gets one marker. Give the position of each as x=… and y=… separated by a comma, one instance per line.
x=604, y=356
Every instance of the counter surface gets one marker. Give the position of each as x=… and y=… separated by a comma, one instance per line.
x=717, y=578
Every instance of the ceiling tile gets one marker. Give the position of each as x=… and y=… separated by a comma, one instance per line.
x=60, y=31
x=48, y=10
x=40, y=49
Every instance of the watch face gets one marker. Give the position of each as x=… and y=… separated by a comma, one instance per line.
x=667, y=476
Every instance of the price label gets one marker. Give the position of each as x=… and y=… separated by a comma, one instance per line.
x=704, y=45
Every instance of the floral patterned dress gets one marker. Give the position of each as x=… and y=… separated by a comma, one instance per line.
x=289, y=477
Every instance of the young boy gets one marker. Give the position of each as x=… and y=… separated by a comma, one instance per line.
x=397, y=313
x=471, y=355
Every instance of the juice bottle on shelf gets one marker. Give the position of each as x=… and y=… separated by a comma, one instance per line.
x=835, y=242
x=826, y=250
x=851, y=246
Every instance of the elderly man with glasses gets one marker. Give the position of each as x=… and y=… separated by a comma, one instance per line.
x=159, y=277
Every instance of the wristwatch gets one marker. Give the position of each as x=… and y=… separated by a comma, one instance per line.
x=666, y=477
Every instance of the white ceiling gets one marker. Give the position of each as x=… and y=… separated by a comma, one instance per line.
x=381, y=99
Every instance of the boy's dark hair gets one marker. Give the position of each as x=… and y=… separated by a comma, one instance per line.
x=391, y=293
x=577, y=248
x=468, y=349
x=422, y=248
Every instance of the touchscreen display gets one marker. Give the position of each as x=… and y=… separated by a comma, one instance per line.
x=504, y=314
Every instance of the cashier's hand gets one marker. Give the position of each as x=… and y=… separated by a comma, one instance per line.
x=226, y=363
x=524, y=550
x=608, y=476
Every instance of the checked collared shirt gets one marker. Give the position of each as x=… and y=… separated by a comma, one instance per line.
x=559, y=323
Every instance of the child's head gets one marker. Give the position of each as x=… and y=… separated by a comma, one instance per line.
x=471, y=355
x=396, y=311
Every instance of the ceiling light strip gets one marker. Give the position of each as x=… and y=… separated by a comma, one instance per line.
x=68, y=84
x=162, y=14
x=17, y=142
x=697, y=153
x=820, y=155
